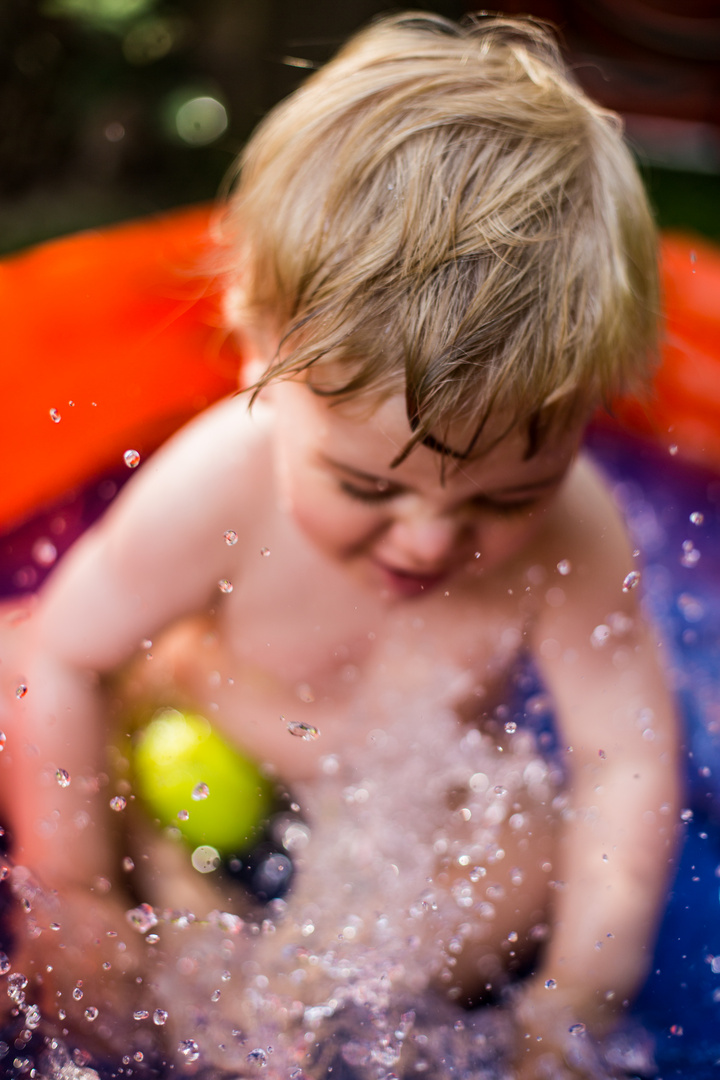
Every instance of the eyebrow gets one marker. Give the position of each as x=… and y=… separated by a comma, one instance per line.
x=392, y=485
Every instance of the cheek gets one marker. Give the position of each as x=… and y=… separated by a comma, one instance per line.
x=332, y=523
x=501, y=540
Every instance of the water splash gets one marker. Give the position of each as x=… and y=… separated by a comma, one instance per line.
x=189, y=1050
x=631, y=581
x=301, y=730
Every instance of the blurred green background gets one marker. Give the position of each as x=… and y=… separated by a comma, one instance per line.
x=118, y=108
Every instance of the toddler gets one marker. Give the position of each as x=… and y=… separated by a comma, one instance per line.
x=437, y=261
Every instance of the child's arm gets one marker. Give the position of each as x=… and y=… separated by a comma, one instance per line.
x=158, y=554
x=618, y=732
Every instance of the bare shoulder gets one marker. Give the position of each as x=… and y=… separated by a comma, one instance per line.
x=586, y=545
x=202, y=464
x=585, y=593
x=160, y=550
x=595, y=647
x=210, y=474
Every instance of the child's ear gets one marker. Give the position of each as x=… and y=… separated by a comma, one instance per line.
x=258, y=348
x=251, y=372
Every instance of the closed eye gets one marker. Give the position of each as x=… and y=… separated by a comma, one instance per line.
x=506, y=509
x=367, y=495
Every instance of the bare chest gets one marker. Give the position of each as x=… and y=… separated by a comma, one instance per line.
x=296, y=668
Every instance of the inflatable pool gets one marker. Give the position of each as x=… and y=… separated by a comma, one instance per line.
x=115, y=340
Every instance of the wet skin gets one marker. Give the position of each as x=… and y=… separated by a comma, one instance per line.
x=371, y=588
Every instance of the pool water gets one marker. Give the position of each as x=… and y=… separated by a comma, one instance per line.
x=385, y=1023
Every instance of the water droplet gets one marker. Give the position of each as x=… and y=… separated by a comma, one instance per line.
x=257, y=1057
x=77, y=993
x=91, y=1013
x=631, y=580
x=55, y=416
x=577, y=1029
x=118, y=803
x=264, y=551
x=63, y=777
x=511, y=727
x=686, y=815
x=205, y=859
x=564, y=567
x=230, y=537
x=225, y=586
x=602, y=754
x=550, y=984
x=636, y=553
x=5, y=964
x=200, y=792
x=16, y=984
x=697, y=518
x=599, y=636
x=690, y=607
x=127, y=864
x=3, y=740
x=478, y=554
x=300, y=730
x=142, y=918
x=21, y=691
x=215, y=996
x=159, y=1017
x=141, y=1014
x=44, y=552
x=183, y=815
x=690, y=556
x=672, y=450
x=189, y=1049
x=131, y=459
x=146, y=643
x=33, y=1019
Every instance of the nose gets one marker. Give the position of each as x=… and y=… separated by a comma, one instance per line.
x=425, y=543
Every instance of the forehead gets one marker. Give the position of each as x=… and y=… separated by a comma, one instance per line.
x=368, y=434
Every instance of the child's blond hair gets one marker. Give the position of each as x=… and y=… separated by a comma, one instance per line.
x=443, y=211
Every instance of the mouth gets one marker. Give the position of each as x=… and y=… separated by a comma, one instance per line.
x=406, y=582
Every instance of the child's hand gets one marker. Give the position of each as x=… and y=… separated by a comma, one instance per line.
x=551, y=1043
x=75, y=973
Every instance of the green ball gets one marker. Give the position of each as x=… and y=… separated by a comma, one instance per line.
x=182, y=767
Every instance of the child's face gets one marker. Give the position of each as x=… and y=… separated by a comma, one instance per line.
x=407, y=530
